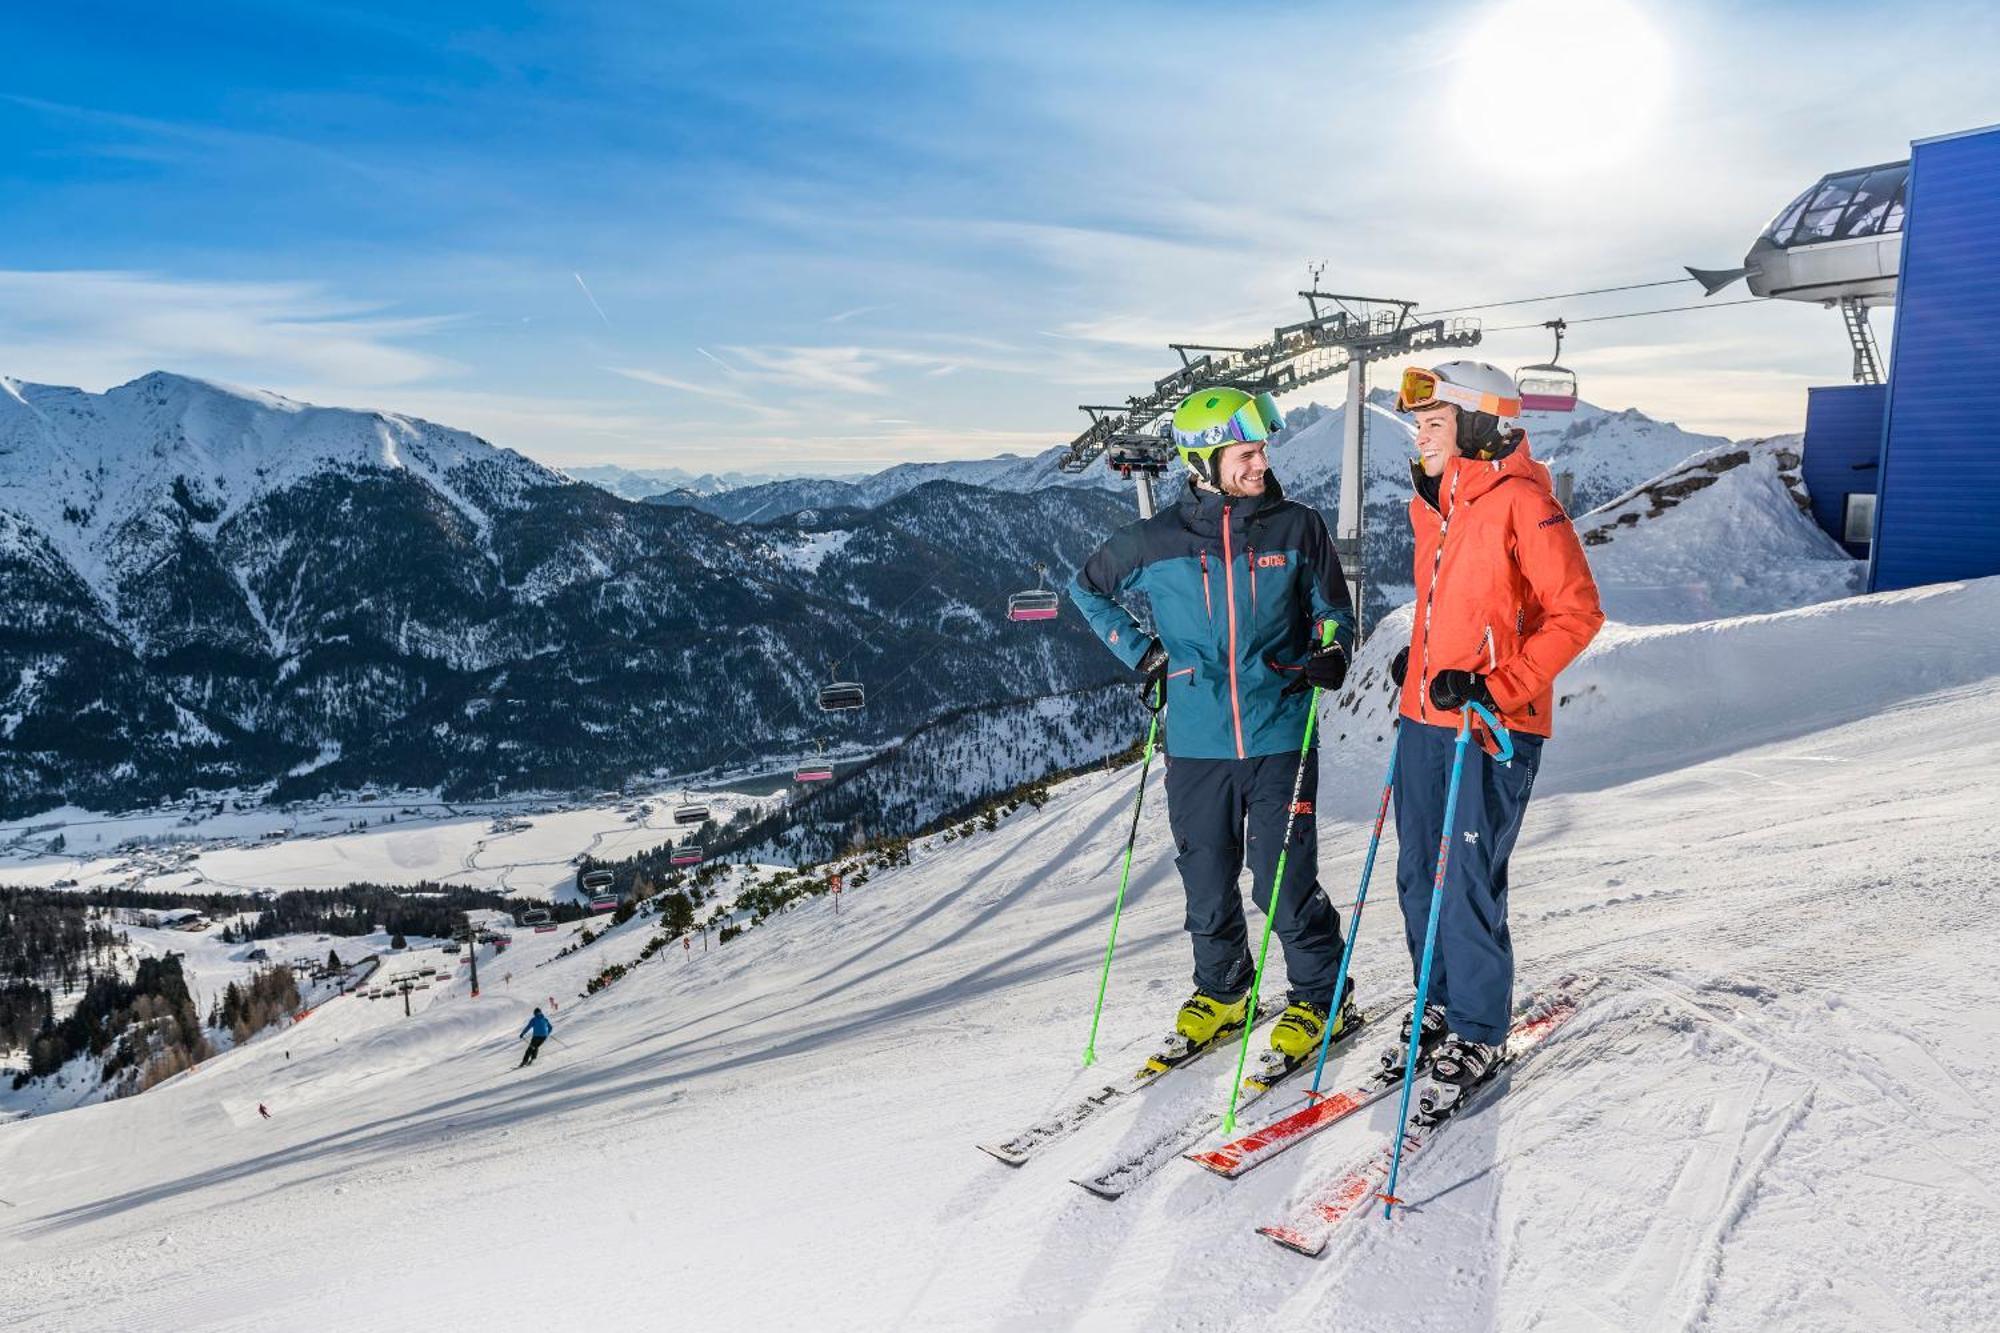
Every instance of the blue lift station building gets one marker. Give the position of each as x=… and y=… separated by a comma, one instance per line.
x=1901, y=467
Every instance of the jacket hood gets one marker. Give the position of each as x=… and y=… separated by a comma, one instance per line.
x=1469, y=478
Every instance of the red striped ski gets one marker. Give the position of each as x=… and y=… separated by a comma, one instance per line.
x=1262, y=1144
x=1314, y=1221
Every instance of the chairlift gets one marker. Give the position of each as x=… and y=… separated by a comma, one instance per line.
x=690, y=812
x=1548, y=386
x=1037, y=603
x=687, y=854
x=841, y=695
x=816, y=769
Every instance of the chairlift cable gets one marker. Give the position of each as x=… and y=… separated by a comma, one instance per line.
x=1633, y=314
x=1556, y=296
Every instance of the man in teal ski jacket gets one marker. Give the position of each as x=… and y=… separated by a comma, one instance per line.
x=1241, y=582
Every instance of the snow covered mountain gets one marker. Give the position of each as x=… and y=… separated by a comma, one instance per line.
x=134, y=487
x=643, y=483
x=777, y=499
x=211, y=587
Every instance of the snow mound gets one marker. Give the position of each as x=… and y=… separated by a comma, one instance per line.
x=1725, y=533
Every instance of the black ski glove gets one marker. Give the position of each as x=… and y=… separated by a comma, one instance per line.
x=1154, y=666
x=1400, y=665
x=1453, y=690
x=1325, y=669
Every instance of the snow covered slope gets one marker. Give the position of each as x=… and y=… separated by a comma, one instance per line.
x=1768, y=833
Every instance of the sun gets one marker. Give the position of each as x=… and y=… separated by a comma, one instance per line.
x=1553, y=88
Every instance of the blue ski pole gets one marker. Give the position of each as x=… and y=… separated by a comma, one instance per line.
x=1388, y=1195
x=1354, y=922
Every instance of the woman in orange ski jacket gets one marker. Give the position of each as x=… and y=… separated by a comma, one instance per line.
x=1504, y=601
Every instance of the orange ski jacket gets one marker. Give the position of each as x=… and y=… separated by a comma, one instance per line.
x=1503, y=589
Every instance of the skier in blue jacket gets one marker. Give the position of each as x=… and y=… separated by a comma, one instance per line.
x=1241, y=582
x=540, y=1028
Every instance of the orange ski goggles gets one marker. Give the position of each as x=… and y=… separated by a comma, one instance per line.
x=1422, y=388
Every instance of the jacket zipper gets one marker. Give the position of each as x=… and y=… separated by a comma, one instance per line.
x=1488, y=645
x=1206, y=602
x=1229, y=592
x=1253, y=579
x=1430, y=597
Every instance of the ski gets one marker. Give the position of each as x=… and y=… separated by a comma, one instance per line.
x=1066, y=1121
x=1313, y=1222
x=1262, y=1144
x=1113, y=1181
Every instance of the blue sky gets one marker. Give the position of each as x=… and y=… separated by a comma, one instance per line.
x=833, y=237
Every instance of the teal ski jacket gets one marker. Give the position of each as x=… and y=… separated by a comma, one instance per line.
x=1239, y=588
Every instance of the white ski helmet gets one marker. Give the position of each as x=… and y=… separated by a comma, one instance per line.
x=1487, y=399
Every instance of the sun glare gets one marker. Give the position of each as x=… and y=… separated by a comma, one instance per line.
x=1550, y=88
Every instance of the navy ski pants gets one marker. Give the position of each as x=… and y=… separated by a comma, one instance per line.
x=1472, y=970
x=1220, y=810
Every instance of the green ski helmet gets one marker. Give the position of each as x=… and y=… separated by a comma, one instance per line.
x=1211, y=419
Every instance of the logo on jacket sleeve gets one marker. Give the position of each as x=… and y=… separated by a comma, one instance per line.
x=1270, y=561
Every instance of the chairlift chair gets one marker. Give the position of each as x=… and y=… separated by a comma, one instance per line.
x=1548, y=386
x=687, y=854
x=816, y=769
x=1036, y=603
x=1040, y=604
x=842, y=695
x=690, y=812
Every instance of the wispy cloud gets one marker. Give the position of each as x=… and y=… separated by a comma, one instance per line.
x=99, y=327
x=592, y=299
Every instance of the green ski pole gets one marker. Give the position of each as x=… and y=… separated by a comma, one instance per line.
x=1277, y=888
x=1124, y=878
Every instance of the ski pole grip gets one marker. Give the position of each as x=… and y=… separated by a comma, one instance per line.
x=1501, y=736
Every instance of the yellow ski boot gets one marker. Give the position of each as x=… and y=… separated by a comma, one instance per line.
x=1202, y=1022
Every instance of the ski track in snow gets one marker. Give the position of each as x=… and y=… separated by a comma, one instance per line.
x=1773, y=1114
